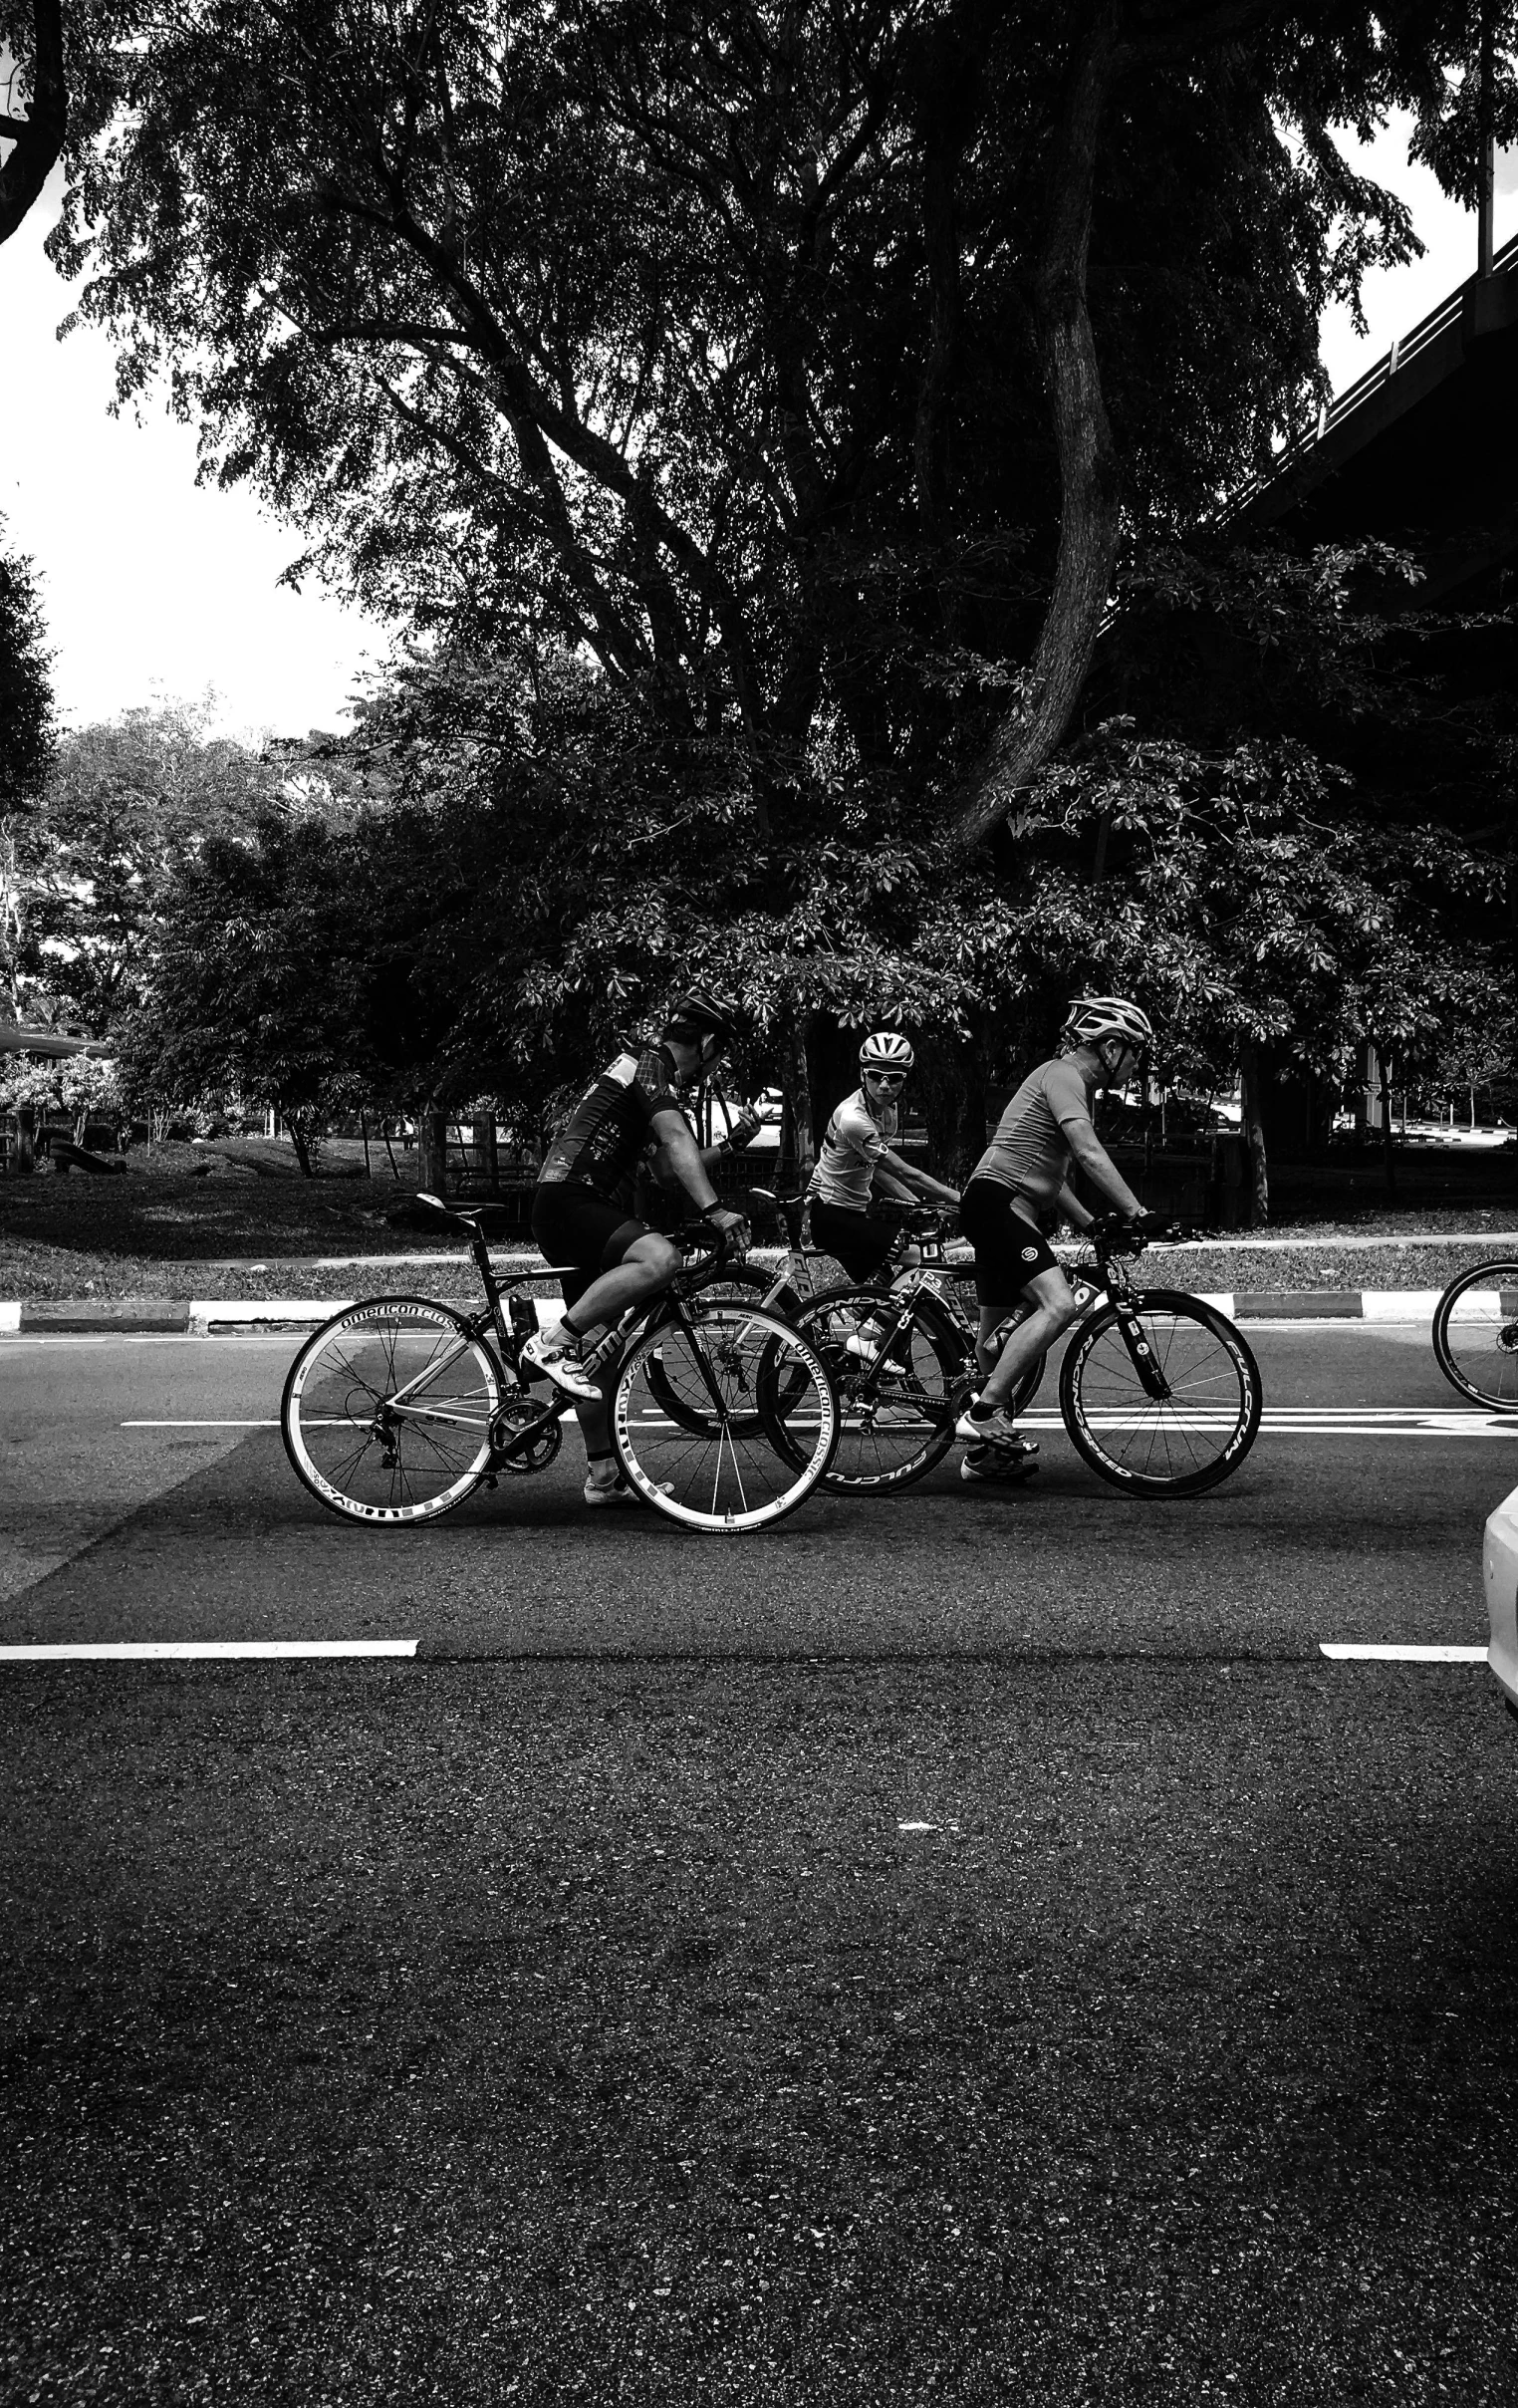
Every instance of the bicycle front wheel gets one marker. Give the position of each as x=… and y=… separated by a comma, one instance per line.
x=1176, y=1444
x=897, y=1408
x=386, y=1410
x=757, y=1418
x=737, y=1283
x=1475, y=1334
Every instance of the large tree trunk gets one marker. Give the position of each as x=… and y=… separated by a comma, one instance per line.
x=1254, y=1135
x=39, y=136
x=1089, y=520
x=432, y=1151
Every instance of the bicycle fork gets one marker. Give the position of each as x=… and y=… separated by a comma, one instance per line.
x=1141, y=1353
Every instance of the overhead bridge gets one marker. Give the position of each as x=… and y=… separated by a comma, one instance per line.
x=1422, y=447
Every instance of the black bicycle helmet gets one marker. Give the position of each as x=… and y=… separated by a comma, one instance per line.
x=700, y=1007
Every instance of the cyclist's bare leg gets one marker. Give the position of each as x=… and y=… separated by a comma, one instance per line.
x=649, y=1264
x=1055, y=1308
x=596, y=1423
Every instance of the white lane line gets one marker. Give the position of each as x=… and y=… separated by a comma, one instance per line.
x=1341, y=1651
x=200, y=1425
x=154, y=1651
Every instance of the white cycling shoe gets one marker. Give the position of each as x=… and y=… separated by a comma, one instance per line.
x=867, y=1353
x=620, y=1491
x=996, y=1430
x=998, y=1466
x=557, y=1356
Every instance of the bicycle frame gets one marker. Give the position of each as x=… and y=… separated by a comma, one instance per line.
x=509, y=1334
x=1098, y=1279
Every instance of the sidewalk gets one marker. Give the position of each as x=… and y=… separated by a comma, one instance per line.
x=1180, y=1267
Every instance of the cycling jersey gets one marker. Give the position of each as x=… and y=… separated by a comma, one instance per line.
x=855, y=1141
x=600, y=1143
x=1032, y=1151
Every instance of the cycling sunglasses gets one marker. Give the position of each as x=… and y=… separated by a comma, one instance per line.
x=888, y=1078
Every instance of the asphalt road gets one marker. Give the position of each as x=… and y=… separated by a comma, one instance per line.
x=972, y=1948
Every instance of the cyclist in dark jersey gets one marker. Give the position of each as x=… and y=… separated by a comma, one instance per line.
x=582, y=1212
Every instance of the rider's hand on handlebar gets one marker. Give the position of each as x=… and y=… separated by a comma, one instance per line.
x=731, y=1226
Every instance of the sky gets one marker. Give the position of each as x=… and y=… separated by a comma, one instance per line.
x=156, y=588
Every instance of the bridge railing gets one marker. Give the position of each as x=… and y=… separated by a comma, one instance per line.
x=1404, y=351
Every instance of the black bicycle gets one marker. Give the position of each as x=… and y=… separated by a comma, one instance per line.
x=1475, y=1334
x=723, y=1415
x=1159, y=1392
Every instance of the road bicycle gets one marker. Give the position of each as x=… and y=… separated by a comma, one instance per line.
x=1159, y=1392
x=1475, y=1333
x=723, y=1413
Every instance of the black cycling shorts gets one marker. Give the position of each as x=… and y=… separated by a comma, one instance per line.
x=861, y=1241
x=574, y=1225
x=1009, y=1250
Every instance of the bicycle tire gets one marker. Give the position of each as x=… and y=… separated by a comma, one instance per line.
x=1484, y=1369
x=875, y=1453
x=1102, y=1399
x=737, y=1277
x=729, y=1472
x=369, y=1463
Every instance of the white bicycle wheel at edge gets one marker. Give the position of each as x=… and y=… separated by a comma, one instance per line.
x=386, y=1410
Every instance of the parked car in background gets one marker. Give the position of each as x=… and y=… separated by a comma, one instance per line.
x=1499, y=1567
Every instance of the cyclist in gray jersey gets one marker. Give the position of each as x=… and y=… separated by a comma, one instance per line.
x=1019, y=1190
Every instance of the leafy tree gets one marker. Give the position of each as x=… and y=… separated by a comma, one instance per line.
x=803, y=364
x=86, y=1088
x=251, y=992
x=26, y=742
x=1255, y=901
x=126, y=802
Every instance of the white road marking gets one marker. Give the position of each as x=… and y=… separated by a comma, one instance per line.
x=154, y=1651
x=1341, y=1651
x=1318, y=1421
x=1286, y=1420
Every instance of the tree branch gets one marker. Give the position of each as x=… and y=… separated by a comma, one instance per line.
x=39, y=136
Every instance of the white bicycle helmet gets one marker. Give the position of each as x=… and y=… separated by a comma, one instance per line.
x=885, y=1051
x=1093, y=1017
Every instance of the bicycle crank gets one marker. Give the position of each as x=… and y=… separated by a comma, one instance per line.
x=525, y=1434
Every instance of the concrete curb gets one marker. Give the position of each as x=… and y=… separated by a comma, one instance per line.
x=215, y=1317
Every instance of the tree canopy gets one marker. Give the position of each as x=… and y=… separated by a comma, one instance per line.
x=27, y=737
x=801, y=363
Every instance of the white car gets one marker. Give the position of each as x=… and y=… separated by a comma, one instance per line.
x=1499, y=1565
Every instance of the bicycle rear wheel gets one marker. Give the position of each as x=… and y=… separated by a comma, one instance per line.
x=1174, y=1445
x=897, y=1413
x=387, y=1411
x=1475, y=1334
x=757, y=1421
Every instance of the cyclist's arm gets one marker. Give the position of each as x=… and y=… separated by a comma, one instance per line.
x=917, y=1183
x=1064, y=1091
x=895, y=1191
x=1073, y=1211
x=662, y=1165
x=678, y=1148
x=1102, y=1171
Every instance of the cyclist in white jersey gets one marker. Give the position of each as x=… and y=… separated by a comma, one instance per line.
x=858, y=1164
x=1017, y=1193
